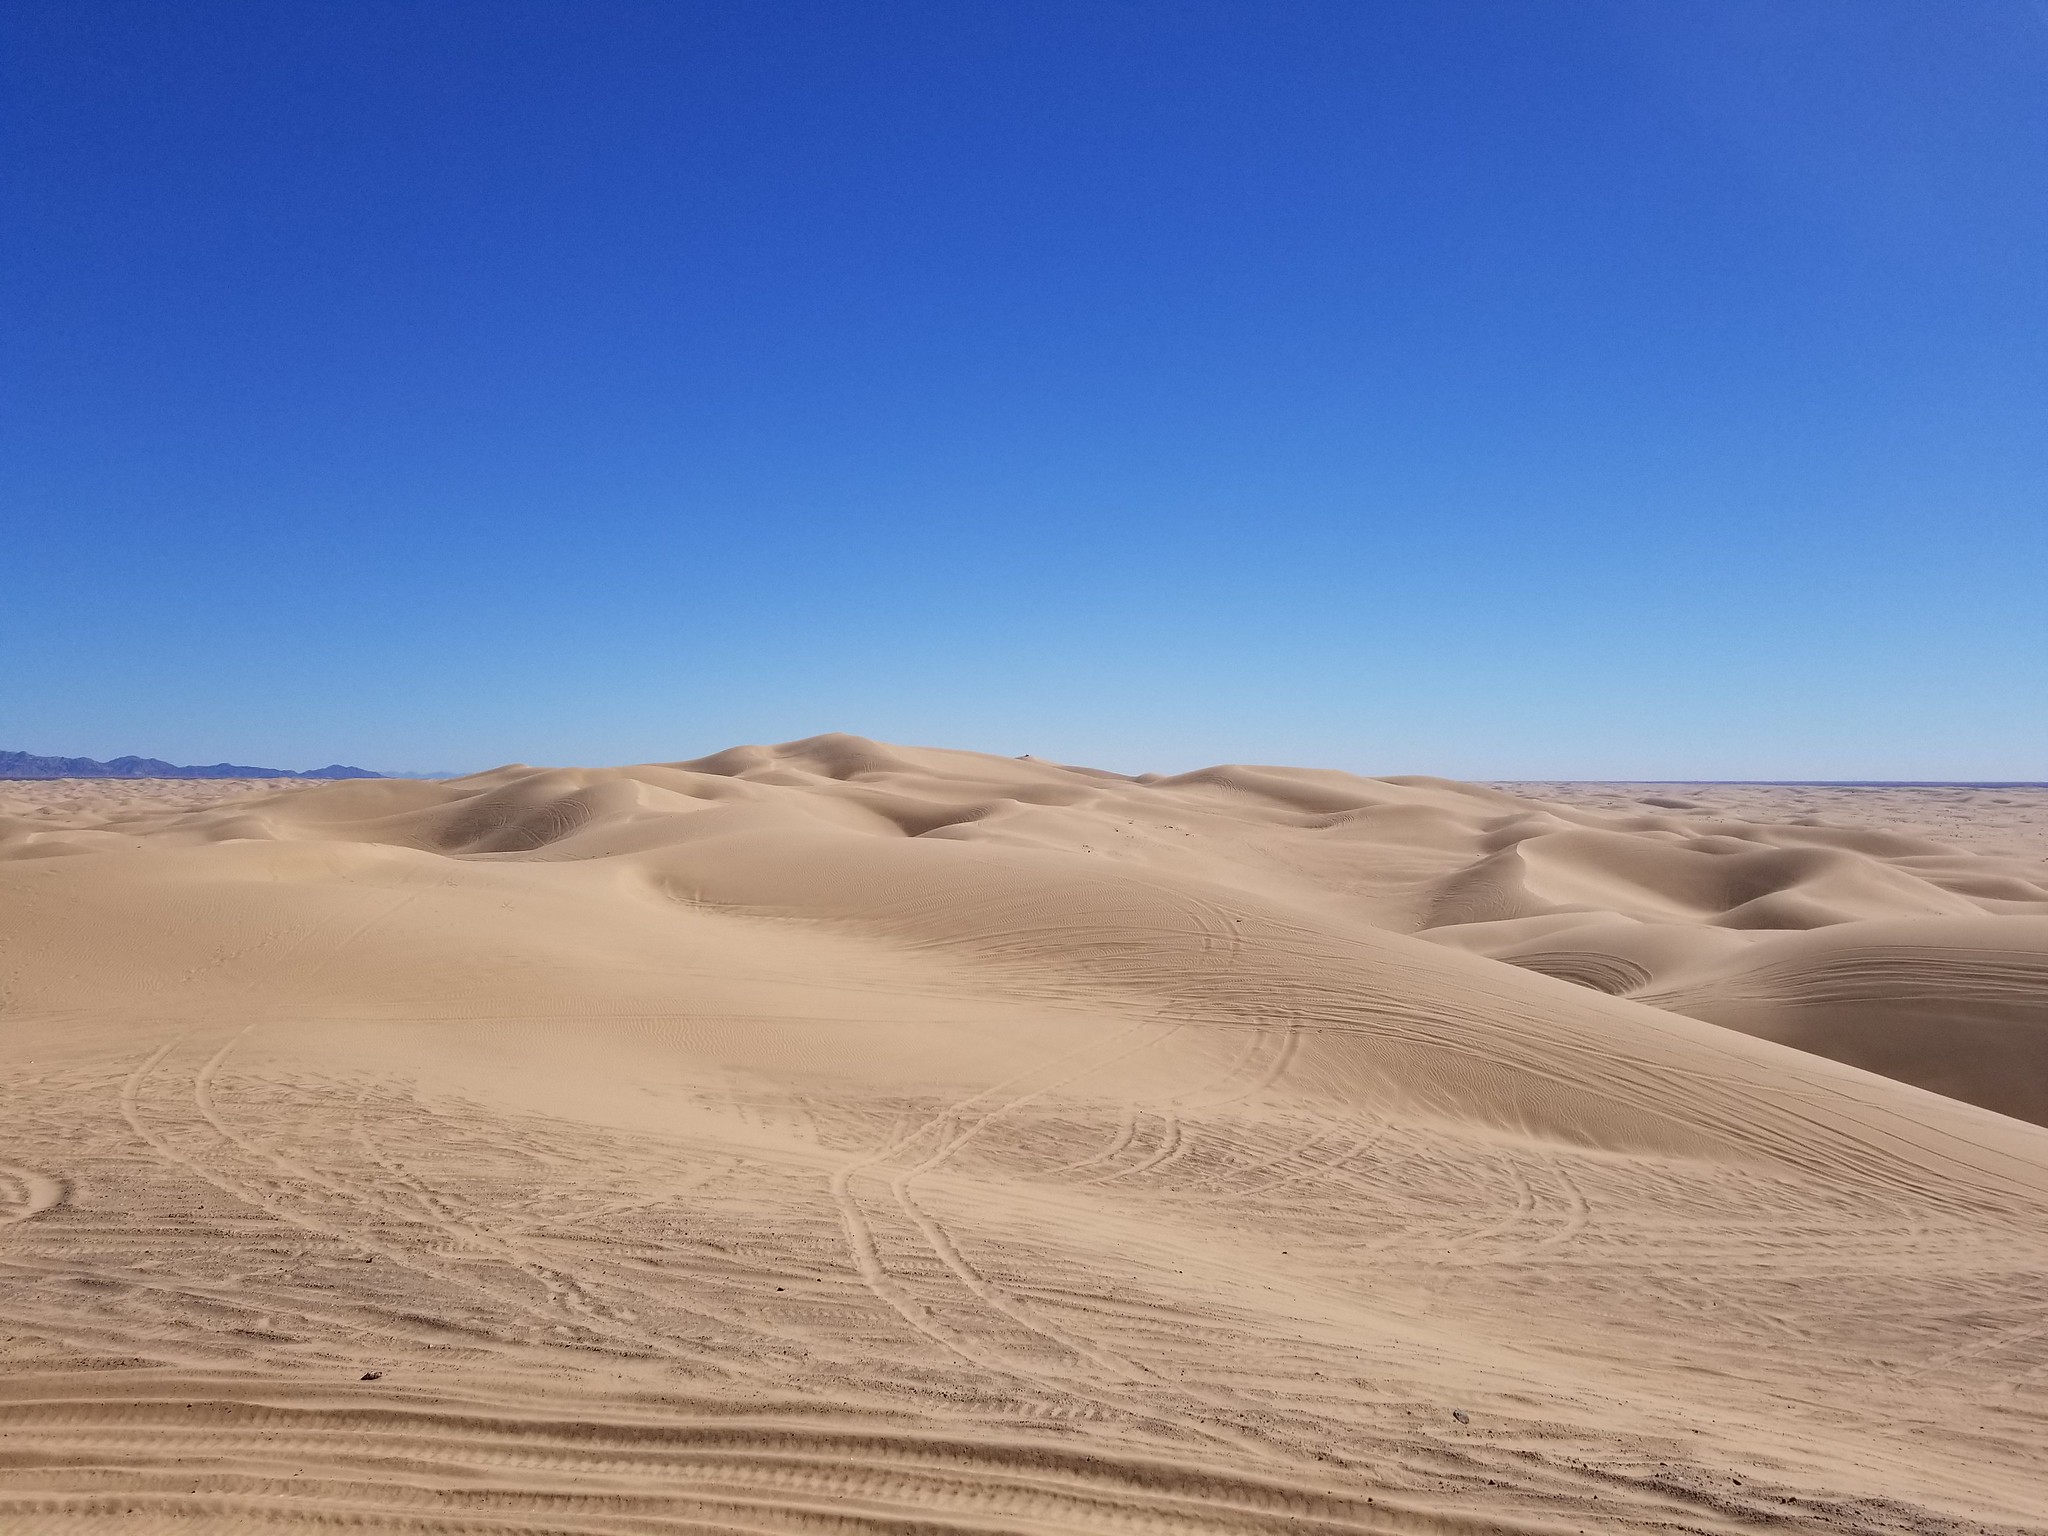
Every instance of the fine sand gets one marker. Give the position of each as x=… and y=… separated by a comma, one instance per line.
x=857, y=1139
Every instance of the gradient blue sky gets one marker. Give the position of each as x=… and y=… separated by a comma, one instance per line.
x=1511, y=389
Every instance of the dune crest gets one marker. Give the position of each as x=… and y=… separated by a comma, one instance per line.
x=844, y=1136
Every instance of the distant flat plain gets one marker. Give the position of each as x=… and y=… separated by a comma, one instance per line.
x=1992, y=818
x=855, y=1138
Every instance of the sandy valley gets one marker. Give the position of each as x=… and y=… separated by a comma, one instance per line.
x=848, y=1138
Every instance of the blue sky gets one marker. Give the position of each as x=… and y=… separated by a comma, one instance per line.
x=1550, y=389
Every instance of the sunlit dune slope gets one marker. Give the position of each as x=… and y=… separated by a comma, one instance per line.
x=842, y=1136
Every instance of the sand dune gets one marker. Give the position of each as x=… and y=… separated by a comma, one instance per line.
x=1881, y=946
x=846, y=1137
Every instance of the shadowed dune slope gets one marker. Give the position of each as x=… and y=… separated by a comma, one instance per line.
x=839, y=1136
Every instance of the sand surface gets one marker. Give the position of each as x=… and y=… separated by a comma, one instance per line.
x=858, y=1139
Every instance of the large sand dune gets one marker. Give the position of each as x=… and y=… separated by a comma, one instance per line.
x=839, y=1137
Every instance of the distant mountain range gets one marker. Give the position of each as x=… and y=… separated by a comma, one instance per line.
x=26, y=765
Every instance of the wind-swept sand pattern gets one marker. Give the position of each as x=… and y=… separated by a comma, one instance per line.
x=840, y=1137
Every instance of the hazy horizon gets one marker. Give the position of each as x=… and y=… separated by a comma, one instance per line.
x=456, y=773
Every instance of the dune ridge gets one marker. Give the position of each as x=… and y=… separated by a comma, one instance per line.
x=841, y=1136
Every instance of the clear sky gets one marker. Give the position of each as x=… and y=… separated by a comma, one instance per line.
x=1556, y=388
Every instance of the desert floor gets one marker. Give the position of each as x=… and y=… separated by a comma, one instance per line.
x=846, y=1138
